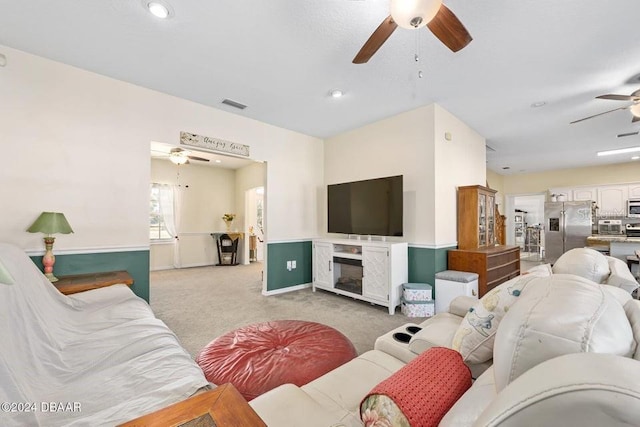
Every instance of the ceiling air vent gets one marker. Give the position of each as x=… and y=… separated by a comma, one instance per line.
x=489, y=148
x=234, y=104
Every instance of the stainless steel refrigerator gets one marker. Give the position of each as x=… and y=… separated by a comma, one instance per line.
x=567, y=226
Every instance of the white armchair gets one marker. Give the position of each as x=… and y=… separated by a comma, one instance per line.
x=593, y=265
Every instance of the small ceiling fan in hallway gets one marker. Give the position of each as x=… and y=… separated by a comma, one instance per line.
x=414, y=14
x=634, y=108
x=180, y=156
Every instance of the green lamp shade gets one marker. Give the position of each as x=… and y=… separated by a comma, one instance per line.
x=51, y=223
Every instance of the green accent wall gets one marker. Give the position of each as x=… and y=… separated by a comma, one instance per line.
x=424, y=263
x=278, y=277
x=135, y=262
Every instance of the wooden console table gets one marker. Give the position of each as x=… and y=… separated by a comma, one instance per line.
x=223, y=406
x=85, y=282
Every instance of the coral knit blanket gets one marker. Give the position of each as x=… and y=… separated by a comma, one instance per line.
x=427, y=387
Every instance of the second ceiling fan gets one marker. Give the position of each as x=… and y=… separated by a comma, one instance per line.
x=634, y=108
x=413, y=14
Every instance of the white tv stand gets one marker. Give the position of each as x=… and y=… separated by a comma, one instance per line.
x=372, y=271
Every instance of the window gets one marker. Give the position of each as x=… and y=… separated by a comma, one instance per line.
x=161, y=197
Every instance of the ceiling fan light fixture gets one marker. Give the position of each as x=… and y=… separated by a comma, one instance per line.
x=635, y=110
x=413, y=14
x=178, y=159
x=158, y=8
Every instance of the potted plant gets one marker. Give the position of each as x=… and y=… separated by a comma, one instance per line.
x=228, y=219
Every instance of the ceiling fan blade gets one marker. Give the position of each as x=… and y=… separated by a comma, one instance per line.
x=202, y=159
x=599, y=114
x=377, y=39
x=618, y=97
x=449, y=30
x=622, y=135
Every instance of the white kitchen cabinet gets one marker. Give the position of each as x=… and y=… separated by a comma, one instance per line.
x=634, y=191
x=612, y=200
x=372, y=271
x=585, y=193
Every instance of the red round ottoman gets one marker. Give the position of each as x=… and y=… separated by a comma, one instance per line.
x=259, y=357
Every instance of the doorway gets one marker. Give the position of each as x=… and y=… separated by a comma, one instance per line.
x=209, y=186
x=254, y=223
x=525, y=223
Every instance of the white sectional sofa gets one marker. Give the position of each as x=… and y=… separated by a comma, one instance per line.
x=565, y=352
x=97, y=358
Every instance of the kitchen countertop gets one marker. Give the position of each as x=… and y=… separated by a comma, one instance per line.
x=620, y=238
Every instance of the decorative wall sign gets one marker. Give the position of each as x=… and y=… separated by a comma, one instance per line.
x=213, y=144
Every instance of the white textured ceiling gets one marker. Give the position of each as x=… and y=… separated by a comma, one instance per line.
x=282, y=57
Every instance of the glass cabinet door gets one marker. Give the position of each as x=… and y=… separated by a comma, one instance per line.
x=482, y=220
x=490, y=220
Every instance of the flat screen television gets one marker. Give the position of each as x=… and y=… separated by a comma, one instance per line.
x=369, y=207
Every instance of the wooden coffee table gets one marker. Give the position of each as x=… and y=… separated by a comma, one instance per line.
x=85, y=282
x=222, y=407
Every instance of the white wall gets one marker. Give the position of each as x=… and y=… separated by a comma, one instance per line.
x=413, y=144
x=458, y=162
x=593, y=175
x=399, y=145
x=79, y=144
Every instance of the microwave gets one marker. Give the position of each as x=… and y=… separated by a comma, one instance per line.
x=633, y=208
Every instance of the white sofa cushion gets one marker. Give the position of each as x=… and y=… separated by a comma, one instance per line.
x=289, y=406
x=583, y=262
x=475, y=335
x=341, y=390
x=540, y=270
x=558, y=315
x=467, y=409
x=571, y=390
x=632, y=309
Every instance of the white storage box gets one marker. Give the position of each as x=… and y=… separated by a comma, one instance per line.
x=451, y=284
x=418, y=308
x=416, y=292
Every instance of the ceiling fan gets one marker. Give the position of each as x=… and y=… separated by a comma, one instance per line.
x=180, y=156
x=414, y=14
x=634, y=108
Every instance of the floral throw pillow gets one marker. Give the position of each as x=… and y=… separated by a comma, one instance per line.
x=475, y=335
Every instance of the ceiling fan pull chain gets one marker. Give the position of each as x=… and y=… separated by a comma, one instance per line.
x=416, y=57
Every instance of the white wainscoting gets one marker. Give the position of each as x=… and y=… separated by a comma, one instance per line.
x=197, y=249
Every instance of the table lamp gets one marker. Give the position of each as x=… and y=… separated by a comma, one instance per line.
x=50, y=223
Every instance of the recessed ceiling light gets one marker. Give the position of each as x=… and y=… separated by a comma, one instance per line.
x=218, y=161
x=635, y=158
x=538, y=104
x=336, y=93
x=159, y=9
x=619, y=151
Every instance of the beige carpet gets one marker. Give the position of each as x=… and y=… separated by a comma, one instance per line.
x=199, y=304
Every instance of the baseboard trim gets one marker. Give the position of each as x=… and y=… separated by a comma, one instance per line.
x=285, y=290
x=163, y=268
